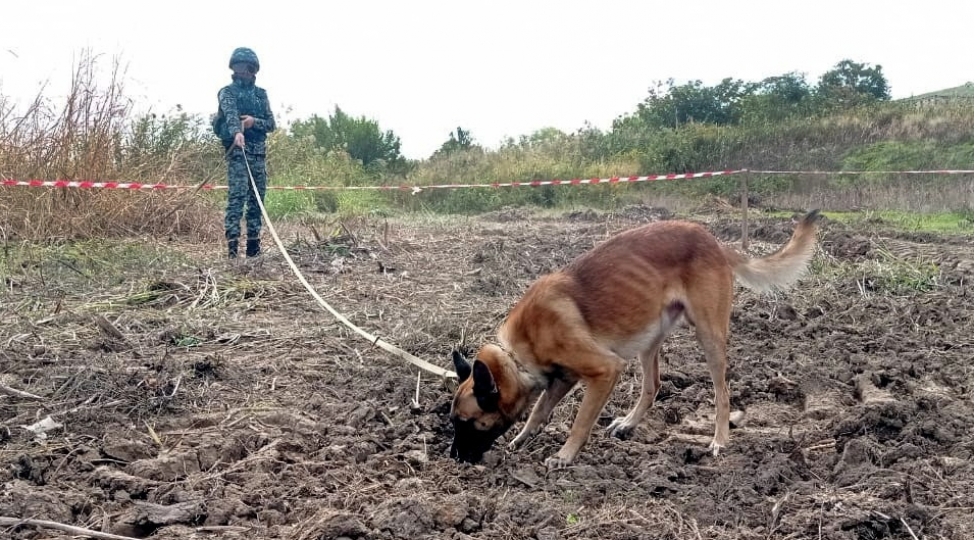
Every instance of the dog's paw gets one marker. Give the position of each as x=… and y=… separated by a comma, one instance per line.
x=620, y=428
x=557, y=462
x=715, y=448
x=515, y=444
x=563, y=458
x=520, y=440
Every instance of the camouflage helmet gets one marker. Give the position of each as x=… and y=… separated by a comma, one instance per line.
x=243, y=54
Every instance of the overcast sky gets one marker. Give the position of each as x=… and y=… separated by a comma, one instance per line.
x=500, y=68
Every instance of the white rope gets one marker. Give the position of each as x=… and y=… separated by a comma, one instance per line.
x=420, y=363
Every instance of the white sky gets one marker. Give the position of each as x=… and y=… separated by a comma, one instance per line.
x=500, y=68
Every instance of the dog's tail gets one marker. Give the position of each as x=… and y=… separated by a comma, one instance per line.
x=782, y=268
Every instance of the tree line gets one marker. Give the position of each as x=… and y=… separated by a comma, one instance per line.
x=668, y=106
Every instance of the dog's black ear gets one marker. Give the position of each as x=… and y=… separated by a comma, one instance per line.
x=461, y=366
x=485, y=390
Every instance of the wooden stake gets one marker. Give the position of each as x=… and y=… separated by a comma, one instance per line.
x=744, y=211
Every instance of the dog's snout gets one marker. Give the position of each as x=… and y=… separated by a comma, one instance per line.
x=464, y=446
x=470, y=443
x=465, y=455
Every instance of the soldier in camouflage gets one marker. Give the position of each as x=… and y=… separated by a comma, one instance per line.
x=243, y=121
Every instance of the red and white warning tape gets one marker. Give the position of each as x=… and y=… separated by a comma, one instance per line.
x=85, y=184
x=88, y=184
x=557, y=182
x=833, y=173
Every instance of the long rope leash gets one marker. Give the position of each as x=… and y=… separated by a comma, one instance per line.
x=418, y=362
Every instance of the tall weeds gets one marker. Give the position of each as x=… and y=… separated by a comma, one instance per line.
x=92, y=135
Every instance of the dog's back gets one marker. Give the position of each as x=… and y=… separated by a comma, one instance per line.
x=624, y=292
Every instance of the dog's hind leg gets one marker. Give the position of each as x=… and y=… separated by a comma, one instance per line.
x=710, y=314
x=714, y=351
x=623, y=426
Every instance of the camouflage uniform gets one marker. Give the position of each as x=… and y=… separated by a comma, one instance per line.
x=239, y=98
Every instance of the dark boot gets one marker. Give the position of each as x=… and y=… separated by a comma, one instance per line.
x=232, y=248
x=253, y=247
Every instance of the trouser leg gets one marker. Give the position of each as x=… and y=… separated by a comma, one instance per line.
x=238, y=186
x=253, y=216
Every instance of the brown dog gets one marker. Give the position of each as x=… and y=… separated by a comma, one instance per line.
x=618, y=301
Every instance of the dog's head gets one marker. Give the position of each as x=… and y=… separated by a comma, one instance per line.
x=477, y=411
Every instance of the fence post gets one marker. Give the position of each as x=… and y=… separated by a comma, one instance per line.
x=744, y=210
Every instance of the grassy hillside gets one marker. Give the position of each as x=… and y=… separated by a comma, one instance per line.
x=966, y=90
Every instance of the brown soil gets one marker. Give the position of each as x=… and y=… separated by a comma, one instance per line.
x=232, y=406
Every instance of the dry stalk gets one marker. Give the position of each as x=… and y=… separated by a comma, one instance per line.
x=86, y=405
x=79, y=531
x=261, y=453
x=4, y=389
x=909, y=529
x=153, y=435
x=222, y=528
x=108, y=327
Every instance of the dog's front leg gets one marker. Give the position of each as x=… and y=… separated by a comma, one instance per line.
x=599, y=386
x=557, y=388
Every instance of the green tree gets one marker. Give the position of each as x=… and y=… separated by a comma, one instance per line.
x=545, y=135
x=459, y=141
x=776, y=98
x=673, y=105
x=316, y=128
x=851, y=83
x=593, y=143
x=360, y=137
x=629, y=133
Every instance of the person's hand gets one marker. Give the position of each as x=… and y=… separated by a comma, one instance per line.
x=239, y=140
x=247, y=121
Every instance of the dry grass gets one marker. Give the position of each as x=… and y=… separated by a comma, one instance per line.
x=92, y=136
x=905, y=193
x=54, y=214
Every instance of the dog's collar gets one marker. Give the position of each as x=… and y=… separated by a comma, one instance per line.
x=538, y=380
x=506, y=350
